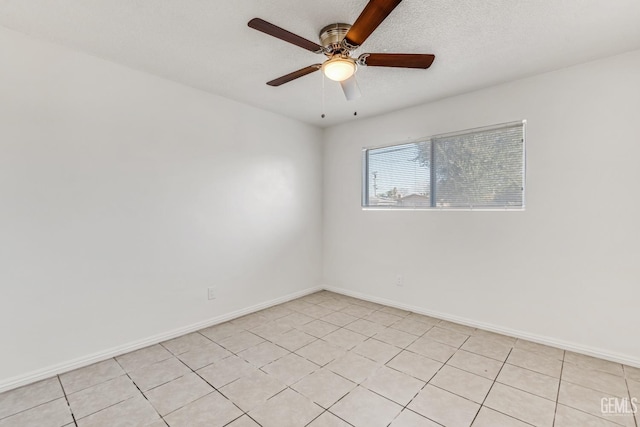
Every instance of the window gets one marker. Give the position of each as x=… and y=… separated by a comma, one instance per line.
x=475, y=169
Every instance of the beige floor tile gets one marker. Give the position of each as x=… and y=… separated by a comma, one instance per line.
x=446, y=336
x=592, y=363
x=385, y=319
x=357, y=310
x=318, y=297
x=409, y=418
x=91, y=375
x=287, y=409
x=159, y=373
x=101, y=396
x=293, y=340
x=317, y=311
x=178, y=393
x=569, y=417
x=262, y=354
x=327, y=419
x=290, y=369
x=320, y=352
x=529, y=381
x=144, y=357
x=544, y=350
x=240, y=341
x=597, y=380
x=363, y=408
x=339, y=319
x=499, y=338
x=324, y=387
x=424, y=319
x=202, y=356
x=393, y=385
x=353, y=367
x=487, y=347
x=417, y=366
x=298, y=305
x=250, y=321
x=219, y=332
x=457, y=327
x=212, y=410
x=334, y=304
x=344, y=338
x=443, y=407
x=462, y=383
x=634, y=389
x=390, y=353
x=318, y=328
x=136, y=411
x=244, y=421
x=396, y=337
x=270, y=330
x=535, y=362
x=55, y=413
x=249, y=392
x=32, y=395
x=294, y=320
x=367, y=304
x=226, y=371
x=365, y=327
x=411, y=326
x=395, y=311
x=377, y=351
x=476, y=364
x=487, y=417
x=432, y=349
x=275, y=312
x=632, y=373
x=521, y=405
x=590, y=401
x=185, y=343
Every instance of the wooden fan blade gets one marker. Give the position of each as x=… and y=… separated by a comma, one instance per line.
x=282, y=34
x=401, y=60
x=295, y=75
x=373, y=14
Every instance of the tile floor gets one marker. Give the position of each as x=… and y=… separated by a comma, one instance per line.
x=326, y=360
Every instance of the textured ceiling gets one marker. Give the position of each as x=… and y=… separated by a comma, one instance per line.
x=206, y=44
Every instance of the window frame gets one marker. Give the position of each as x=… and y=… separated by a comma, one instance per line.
x=365, y=171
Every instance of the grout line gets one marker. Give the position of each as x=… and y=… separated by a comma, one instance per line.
x=555, y=412
x=635, y=414
x=64, y=392
x=32, y=407
x=406, y=407
x=491, y=388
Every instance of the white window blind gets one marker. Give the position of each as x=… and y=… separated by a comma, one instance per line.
x=475, y=169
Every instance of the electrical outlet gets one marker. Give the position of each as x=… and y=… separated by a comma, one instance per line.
x=399, y=280
x=212, y=293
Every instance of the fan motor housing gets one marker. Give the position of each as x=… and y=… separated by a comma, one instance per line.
x=332, y=35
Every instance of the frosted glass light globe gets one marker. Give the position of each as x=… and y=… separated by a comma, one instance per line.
x=339, y=69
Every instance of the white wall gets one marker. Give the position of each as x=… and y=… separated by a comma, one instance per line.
x=566, y=270
x=124, y=196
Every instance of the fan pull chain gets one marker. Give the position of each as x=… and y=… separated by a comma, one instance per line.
x=322, y=95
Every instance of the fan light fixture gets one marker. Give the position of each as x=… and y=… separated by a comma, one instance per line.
x=339, y=69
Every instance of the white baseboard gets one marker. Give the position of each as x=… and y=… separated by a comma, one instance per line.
x=87, y=360
x=553, y=342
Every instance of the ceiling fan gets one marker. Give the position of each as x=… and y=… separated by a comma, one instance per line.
x=337, y=43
